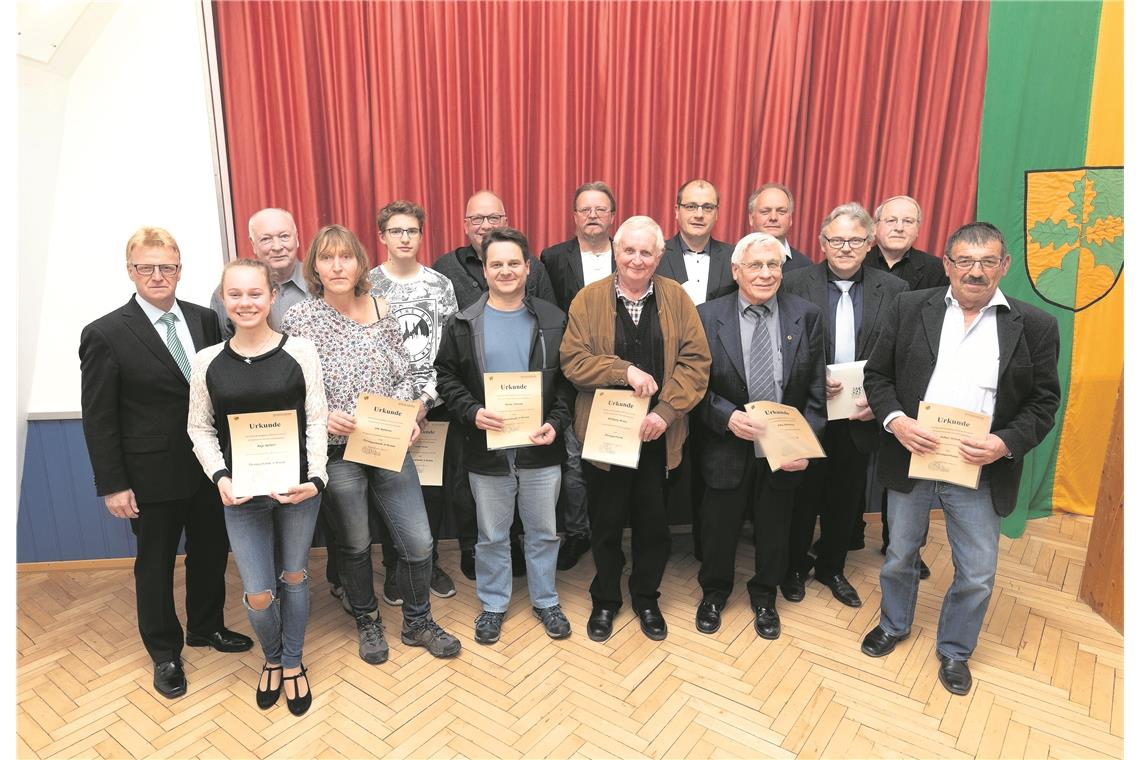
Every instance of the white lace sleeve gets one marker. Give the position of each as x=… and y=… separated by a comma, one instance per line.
x=200, y=421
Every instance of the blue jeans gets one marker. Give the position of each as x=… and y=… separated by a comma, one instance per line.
x=270, y=539
x=355, y=488
x=972, y=527
x=495, y=495
x=575, y=513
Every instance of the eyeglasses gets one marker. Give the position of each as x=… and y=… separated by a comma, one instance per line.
x=756, y=266
x=776, y=211
x=399, y=232
x=708, y=208
x=967, y=264
x=491, y=219
x=906, y=221
x=285, y=238
x=853, y=243
x=146, y=270
x=597, y=211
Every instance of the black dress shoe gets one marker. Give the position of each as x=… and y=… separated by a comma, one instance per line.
x=879, y=643
x=572, y=548
x=708, y=616
x=842, y=590
x=954, y=675
x=767, y=623
x=223, y=639
x=467, y=563
x=268, y=697
x=169, y=679
x=923, y=570
x=653, y=623
x=792, y=587
x=600, y=625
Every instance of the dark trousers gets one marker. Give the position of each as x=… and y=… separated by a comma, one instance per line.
x=691, y=456
x=158, y=529
x=456, y=485
x=770, y=510
x=834, y=490
x=617, y=496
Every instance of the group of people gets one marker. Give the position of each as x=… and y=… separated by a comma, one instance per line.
x=696, y=326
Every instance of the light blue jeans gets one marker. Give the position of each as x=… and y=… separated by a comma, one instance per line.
x=973, y=528
x=537, y=493
x=269, y=539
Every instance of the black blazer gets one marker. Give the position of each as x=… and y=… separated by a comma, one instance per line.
x=879, y=289
x=135, y=403
x=918, y=268
x=797, y=261
x=802, y=325
x=720, y=266
x=1028, y=391
x=563, y=262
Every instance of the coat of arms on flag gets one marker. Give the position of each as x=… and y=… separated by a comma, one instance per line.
x=1074, y=233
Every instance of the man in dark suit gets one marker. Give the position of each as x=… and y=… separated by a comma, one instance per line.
x=853, y=299
x=703, y=266
x=972, y=348
x=897, y=222
x=766, y=345
x=573, y=264
x=770, y=210
x=135, y=365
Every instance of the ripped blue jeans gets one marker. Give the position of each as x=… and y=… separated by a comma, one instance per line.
x=270, y=540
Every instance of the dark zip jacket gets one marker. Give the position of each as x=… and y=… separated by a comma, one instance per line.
x=460, y=365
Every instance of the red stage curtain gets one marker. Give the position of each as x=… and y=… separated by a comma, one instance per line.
x=334, y=108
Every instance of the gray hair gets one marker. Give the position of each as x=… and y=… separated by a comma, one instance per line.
x=755, y=240
x=262, y=211
x=636, y=224
x=751, y=206
x=976, y=233
x=917, y=208
x=596, y=186
x=850, y=210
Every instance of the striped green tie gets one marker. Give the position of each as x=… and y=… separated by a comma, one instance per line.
x=174, y=344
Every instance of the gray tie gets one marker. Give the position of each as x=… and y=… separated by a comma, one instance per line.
x=761, y=380
x=844, y=324
x=174, y=344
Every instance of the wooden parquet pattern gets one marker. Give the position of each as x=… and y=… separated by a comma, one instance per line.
x=1048, y=675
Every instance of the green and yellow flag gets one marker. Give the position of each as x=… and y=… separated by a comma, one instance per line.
x=1051, y=177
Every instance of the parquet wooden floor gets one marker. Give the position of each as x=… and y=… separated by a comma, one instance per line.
x=1048, y=675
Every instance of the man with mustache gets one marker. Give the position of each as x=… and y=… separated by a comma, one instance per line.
x=573, y=264
x=968, y=346
x=770, y=210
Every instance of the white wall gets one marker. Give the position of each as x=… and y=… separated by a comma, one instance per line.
x=123, y=141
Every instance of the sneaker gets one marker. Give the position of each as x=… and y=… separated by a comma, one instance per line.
x=555, y=623
x=488, y=627
x=441, y=584
x=429, y=635
x=338, y=592
x=373, y=647
x=391, y=590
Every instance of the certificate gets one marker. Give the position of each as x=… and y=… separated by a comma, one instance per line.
x=383, y=427
x=613, y=434
x=517, y=398
x=265, y=453
x=950, y=425
x=851, y=375
x=427, y=453
x=787, y=435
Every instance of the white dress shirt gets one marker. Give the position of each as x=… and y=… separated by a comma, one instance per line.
x=697, y=269
x=153, y=313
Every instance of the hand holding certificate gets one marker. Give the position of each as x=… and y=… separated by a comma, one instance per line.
x=950, y=426
x=786, y=435
x=265, y=458
x=383, y=431
x=427, y=453
x=613, y=435
x=514, y=400
x=843, y=405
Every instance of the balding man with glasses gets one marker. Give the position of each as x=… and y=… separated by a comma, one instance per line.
x=853, y=299
x=897, y=222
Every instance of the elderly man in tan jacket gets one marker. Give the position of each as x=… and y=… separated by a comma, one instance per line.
x=637, y=331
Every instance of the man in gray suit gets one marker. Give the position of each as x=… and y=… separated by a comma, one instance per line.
x=766, y=345
x=853, y=299
x=966, y=346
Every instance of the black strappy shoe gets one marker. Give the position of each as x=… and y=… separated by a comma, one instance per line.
x=298, y=705
x=266, y=698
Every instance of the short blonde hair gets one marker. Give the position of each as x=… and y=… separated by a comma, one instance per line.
x=151, y=237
